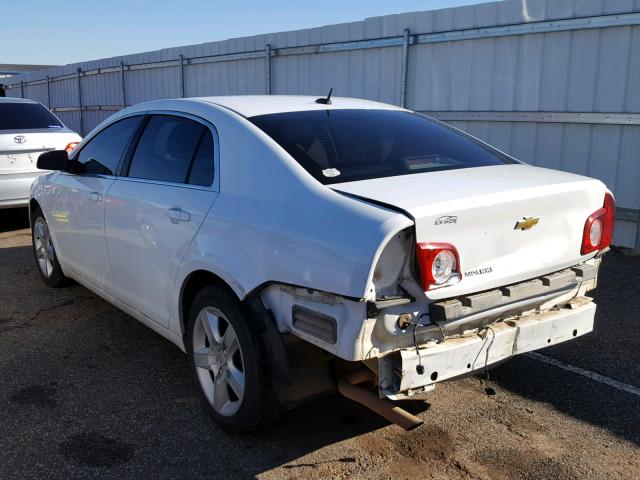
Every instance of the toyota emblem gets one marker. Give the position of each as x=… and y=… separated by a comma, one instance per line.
x=20, y=139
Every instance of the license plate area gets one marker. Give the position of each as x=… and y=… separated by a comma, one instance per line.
x=19, y=161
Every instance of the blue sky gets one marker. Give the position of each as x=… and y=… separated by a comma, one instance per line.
x=67, y=31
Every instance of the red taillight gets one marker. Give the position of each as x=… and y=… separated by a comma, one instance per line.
x=439, y=265
x=71, y=147
x=598, y=230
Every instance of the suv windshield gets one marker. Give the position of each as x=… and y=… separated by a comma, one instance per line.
x=25, y=116
x=347, y=145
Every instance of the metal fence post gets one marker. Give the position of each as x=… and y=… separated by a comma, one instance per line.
x=181, y=60
x=638, y=231
x=124, y=90
x=21, y=89
x=405, y=66
x=267, y=58
x=79, y=72
x=48, y=92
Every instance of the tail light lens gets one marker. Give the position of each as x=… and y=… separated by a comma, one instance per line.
x=598, y=230
x=71, y=147
x=439, y=265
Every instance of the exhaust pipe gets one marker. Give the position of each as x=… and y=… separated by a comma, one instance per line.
x=383, y=407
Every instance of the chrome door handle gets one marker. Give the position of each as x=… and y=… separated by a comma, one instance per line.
x=96, y=196
x=176, y=214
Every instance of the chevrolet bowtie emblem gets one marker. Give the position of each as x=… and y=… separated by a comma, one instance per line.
x=526, y=223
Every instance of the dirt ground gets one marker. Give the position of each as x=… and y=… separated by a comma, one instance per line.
x=88, y=392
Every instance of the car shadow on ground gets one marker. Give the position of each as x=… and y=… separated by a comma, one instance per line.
x=612, y=350
x=13, y=219
x=577, y=396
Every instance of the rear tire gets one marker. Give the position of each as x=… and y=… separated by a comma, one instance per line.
x=44, y=252
x=228, y=363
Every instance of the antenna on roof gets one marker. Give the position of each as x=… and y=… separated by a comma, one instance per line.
x=325, y=101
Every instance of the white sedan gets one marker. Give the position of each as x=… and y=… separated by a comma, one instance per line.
x=27, y=129
x=291, y=245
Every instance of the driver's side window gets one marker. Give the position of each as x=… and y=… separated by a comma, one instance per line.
x=102, y=155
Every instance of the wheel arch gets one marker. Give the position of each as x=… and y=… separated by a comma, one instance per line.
x=192, y=284
x=290, y=389
x=33, y=205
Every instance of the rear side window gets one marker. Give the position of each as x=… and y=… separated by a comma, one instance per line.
x=166, y=149
x=24, y=116
x=102, y=154
x=203, y=166
x=348, y=145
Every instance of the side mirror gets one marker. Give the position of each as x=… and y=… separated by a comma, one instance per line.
x=54, y=160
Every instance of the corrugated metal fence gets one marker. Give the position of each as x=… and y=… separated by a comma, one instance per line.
x=555, y=83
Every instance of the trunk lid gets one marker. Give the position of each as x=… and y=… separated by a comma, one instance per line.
x=477, y=211
x=19, y=150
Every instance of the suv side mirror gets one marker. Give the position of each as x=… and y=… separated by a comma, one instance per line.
x=54, y=160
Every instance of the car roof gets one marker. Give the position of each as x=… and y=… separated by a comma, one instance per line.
x=252, y=105
x=15, y=100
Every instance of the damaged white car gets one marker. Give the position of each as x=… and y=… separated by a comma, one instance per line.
x=293, y=245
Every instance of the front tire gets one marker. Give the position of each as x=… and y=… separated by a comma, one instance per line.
x=228, y=363
x=44, y=252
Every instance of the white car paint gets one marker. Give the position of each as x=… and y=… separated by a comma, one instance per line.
x=145, y=247
x=267, y=226
x=19, y=151
x=486, y=202
x=77, y=214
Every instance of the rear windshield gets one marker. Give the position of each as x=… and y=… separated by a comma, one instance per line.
x=347, y=145
x=23, y=116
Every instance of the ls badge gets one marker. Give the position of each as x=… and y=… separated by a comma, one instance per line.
x=526, y=223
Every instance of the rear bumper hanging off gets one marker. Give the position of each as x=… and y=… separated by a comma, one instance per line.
x=461, y=356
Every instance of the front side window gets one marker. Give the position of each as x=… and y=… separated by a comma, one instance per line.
x=348, y=145
x=25, y=116
x=167, y=149
x=102, y=154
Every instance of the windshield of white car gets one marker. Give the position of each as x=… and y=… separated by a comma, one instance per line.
x=347, y=145
x=26, y=116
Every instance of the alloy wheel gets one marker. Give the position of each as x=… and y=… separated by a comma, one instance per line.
x=43, y=246
x=218, y=359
